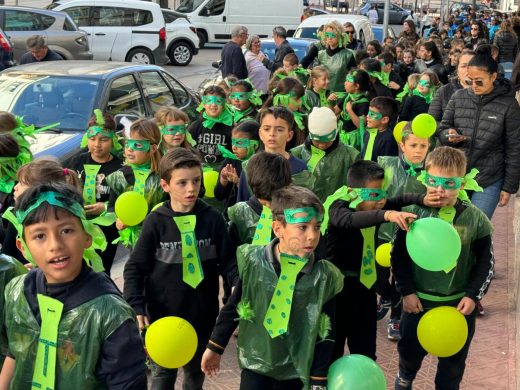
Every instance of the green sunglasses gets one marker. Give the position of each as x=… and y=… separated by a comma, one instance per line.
x=447, y=183
x=139, y=145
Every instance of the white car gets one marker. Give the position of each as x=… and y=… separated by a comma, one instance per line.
x=182, y=42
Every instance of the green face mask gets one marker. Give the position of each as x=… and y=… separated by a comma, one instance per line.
x=375, y=115
x=173, y=129
x=243, y=142
x=350, y=78
x=239, y=96
x=323, y=138
x=139, y=145
x=371, y=194
x=330, y=35
x=447, y=183
x=424, y=83
x=302, y=215
x=212, y=99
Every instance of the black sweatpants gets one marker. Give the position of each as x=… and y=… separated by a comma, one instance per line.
x=449, y=370
x=356, y=319
x=385, y=287
x=250, y=380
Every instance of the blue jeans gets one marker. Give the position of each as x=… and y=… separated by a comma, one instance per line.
x=488, y=199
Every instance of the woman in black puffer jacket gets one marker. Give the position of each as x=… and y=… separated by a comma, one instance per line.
x=484, y=121
x=507, y=42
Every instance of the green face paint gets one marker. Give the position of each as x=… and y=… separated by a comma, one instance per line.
x=243, y=142
x=375, y=115
x=447, y=183
x=330, y=35
x=302, y=215
x=424, y=83
x=173, y=129
x=371, y=194
x=95, y=130
x=139, y=145
x=212, y=99
x=239, y=96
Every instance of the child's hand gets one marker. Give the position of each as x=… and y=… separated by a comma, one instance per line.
x=210, y=364
x=95, y=209
x=29, y=266
x=432, y=200
x=348, y=107
x=394, y=85
x=412, y=304
x=120, y=225
x=228, y=174
x=466, y=306
x=332, y=97
x=143, y=322
x=400, y=218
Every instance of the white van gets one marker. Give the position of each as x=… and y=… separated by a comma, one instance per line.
x=215, y=19
x=132, y=31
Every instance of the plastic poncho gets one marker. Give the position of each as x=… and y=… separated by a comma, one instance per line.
x=471, y=225
x=331, y=171
x=245, y=219
x=337, y=65
x=9, y=269
x=288, y=356
x=153, y=191
x=81, y=334
x=398, y=182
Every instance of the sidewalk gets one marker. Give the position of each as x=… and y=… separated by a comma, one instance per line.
x=492, y=361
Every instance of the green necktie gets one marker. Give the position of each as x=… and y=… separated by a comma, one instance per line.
x=45, y=366
x=316, y=156
x=140, y=176
x=372, y=133
x=89, y=188
x=323, y=99
x=263, y=228
x=277, y=316
x=192, y=273
x=447, y=213
x=367, y=275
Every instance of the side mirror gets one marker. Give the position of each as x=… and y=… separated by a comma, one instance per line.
x=204, y=12
x=216, y=64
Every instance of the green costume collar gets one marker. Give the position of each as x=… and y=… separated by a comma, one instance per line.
x=427, y=98
x=469, y=183
x=412, y=168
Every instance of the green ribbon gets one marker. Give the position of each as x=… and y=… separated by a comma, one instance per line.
x=372, y=133
x=316, y=156
x=89, y=188
x=427, y=97
x=192, y=273
x=264, y=228
x=225, y=118
x=412, y=168
x=276, y=319
x=299, y=120
x=367, y=274
x=44, y=374
x=128, y=236
x=241, y=115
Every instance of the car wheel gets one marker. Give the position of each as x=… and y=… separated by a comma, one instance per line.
x=140, y=56
x=202, y=39
x=180, y=54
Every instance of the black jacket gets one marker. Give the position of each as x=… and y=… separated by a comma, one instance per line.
x=442, y=97
x=413, y=106
x=233, y=61
x=491, y=124
x=507, y=46
x=51, y=55
x=279, y=53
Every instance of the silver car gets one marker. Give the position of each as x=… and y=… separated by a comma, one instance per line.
x=60, y=31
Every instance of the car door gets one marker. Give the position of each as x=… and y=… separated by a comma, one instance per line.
x=82, y=16
x=20, y=25
x=215, y=19
x=125, y=97
x=156, y=91
x=108, y=29
x=395, y=15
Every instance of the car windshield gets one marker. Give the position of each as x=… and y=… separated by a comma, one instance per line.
x=188, y=6
x=306, y=32
x=45, y=100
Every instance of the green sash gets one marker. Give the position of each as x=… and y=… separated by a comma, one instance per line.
x=372, y=133
x=316, y=156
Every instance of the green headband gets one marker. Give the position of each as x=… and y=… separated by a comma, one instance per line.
x=302, y=215
x=53, y=198
x=99, y=128
x=350, y=78
x=323, y=138
x=139, y=145
x=375, y=115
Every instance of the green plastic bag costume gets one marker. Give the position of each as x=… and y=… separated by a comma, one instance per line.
x=81, y=333
x=337, y=65
x=471, y=225
x=9, y=269
x=397, y=182
x=331, y=171
x=152, y=189
x=245, y=219
x=288, y=356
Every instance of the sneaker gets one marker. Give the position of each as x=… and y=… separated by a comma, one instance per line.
x=480, y=309
x=393, y=329
x=382, y=308
x=402, y=384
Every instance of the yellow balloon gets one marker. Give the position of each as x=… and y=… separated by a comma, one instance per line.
x=131, y=208
x=398, y=131
x=442, y=331
x=383, y=254
x=171, y=342
x=424, y=126
x=210, y=182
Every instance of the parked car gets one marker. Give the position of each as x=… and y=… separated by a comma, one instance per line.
x=315, y=11
x=377, y=29
x=132, y=31
x=309, y=27
x=464, y=7
x=397, y=15
x=182, y=42
x=299, y=45
x=60, y=32
x=67, y=92
x=6, y=52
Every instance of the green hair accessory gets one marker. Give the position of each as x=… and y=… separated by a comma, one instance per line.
x=100, y=120
x=9, y=167
x=324, y=327
x=301, y=215
x=245, y=311
x=53, y=198
x=428, y=97
x=299, y=119
x=285, y=99
x=99, y=128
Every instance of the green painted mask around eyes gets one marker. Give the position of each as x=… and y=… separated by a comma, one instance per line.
x=424, y=83
x=330, y=35
x=139, y=145
x=173, y=129
x=375, y=115
x=350, y=78
x=212, y=99
x=239, y=96
x=371, y=194
x=243, y=142
x=95, y=130
x=447, y=183
x=301, y=215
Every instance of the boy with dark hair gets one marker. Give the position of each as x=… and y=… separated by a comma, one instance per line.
x=168, y=276
x=67, y=326
x=379, y=140
x=395, y=82
x=462, y=287
x=285, y=303
x=373, y=67
x=355, y=213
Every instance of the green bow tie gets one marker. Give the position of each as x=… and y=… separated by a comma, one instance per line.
x=44, y=374
x=316, y=156
x=89, y=188
x=372, y=133
x=368, y=275
x=263, y=227
x=192, y=273
x=412, y=168
x=225, y=118
x=276, y=319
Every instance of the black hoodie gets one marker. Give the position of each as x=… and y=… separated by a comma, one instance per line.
x=153, y=274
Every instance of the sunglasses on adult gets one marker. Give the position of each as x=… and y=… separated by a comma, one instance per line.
x=478, y=83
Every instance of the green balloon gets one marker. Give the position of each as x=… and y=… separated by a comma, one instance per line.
x=433, y=244
x=424, y=126
x=355, y=372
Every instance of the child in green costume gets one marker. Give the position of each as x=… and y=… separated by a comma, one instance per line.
x=285, y=303
x=461, y=287
x=175, y=266
x=327, y=159
x=378, y=139
x=317, y=93
x=244, y=101
x=68, y=327
x=173, y=124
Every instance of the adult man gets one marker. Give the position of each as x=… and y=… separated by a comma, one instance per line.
x=233, y=61
x=38, y=51
x=282, y=49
